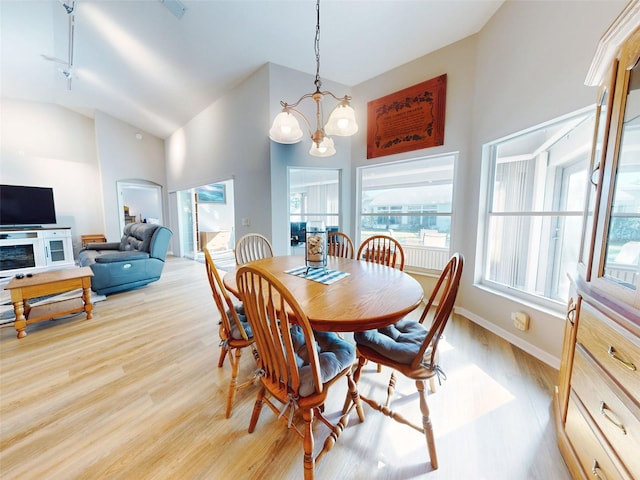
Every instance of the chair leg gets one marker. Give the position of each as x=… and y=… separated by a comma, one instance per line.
x=309, y=461
x=426, y=424
x=356, y=377
x=336, y=429
x=257, y=408
x=356, y=374
x=432, y=384
x=391, y=388
x=355, y=397
x=223, y=354
x=235, y=367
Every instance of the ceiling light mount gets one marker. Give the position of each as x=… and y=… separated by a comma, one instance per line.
x=341, y=121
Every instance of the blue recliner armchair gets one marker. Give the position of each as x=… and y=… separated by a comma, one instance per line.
x=136, y=260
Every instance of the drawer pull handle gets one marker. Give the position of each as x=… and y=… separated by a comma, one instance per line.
x=571, y=312
x=612, y=354
x=604, y=410
x=597, y=472
x=594, y=182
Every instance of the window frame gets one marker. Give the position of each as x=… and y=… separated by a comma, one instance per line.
x=424, y=212
x=486, y=214
x=338, y=215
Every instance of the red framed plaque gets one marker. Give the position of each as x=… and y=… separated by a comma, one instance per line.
x=406, y=120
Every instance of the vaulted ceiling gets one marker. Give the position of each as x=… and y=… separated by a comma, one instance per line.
x=138, y=61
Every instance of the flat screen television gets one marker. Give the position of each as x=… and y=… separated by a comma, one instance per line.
x=26, y=206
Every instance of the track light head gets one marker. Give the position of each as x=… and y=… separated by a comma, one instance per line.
x=69, y=8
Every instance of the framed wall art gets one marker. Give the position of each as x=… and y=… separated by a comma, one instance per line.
x=214, y=193
x=408, y=119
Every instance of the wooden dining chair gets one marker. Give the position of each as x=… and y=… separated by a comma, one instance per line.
x=235, y=332
x=382, y=249
x=340, y=245
x=410, y=347
x=252, y=246
x=298, y=365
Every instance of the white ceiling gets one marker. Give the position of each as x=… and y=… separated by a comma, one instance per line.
x=136, y=61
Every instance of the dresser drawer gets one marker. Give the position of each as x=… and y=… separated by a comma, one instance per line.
x=617, y=418
x=593, y=459
x=607, y=345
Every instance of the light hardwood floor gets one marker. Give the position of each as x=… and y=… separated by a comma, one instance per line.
x=135, y=393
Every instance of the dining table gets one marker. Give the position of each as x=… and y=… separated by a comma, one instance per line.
x=357, y=295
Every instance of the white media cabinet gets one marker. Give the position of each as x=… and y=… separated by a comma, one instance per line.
x=32, y=250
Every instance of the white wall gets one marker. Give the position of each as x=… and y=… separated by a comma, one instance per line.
x=458, y=61
x=80, y=157
x=49, y=146
x=526, y=66
x=122, y=156
x=289, y=85
x=541, y=69
x=229, y=140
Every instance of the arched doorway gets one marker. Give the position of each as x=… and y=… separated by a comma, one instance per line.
x=139, y=201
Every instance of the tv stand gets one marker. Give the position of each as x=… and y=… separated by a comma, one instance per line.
x=20, y=227
x=35, y=249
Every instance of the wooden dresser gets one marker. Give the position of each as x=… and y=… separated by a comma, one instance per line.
x=597, y=400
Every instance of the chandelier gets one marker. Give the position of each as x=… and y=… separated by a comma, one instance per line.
x=341, y=120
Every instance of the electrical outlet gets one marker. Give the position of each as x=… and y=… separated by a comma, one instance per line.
x=246, y=222
x=520, y=320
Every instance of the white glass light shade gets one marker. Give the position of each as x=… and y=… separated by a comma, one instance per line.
x=325, y=149
x=342, y=121
x=285, y=129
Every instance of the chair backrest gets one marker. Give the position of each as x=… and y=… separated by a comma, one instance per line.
x=146, y=237
x=252, y=246
x=271, y=311
x=443, y=297
x=223, y=301
x=340, y=245
x=382, y=249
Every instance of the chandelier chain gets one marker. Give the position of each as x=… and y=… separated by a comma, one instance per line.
x=317, y=82
x=286, y=129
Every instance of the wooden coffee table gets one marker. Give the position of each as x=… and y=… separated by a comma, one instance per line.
x=49, y=283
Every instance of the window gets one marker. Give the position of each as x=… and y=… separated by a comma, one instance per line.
x=411, y=201
x=536, y=196
x=314, y=196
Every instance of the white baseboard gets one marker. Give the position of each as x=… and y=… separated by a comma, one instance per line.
x=538, y=353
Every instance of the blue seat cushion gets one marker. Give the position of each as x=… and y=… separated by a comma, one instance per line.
x=235, y=331
x=334, y=355
x=399, y=342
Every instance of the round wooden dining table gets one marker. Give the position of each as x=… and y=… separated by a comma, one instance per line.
x=370, y=296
